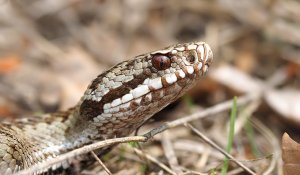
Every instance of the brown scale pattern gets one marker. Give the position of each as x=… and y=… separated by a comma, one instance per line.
x=116, y=103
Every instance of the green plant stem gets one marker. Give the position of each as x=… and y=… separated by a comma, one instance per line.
x=233, y=115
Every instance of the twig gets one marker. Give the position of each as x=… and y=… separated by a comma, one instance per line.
x=101, y=163
x=195, y=147
x=238, y=170
x=245, y=114
x=86, y=149
x=207, y=112
x=154, y=160
x=80, y=151
x=170, y=153
x=190, y=172
x=267, y=133
x=211, y=143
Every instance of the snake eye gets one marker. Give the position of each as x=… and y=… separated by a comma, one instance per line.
x=161, y=62
x=191, y=58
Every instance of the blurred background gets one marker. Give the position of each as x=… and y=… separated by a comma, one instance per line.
x=51, y=49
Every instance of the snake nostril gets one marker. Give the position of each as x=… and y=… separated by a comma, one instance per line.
x=191, y=59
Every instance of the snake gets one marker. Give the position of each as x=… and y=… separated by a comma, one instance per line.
x=115, y=104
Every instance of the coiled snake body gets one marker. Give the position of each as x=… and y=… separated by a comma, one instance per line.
x=116, y=103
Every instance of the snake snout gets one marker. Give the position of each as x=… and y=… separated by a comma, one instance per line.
x=205, y=57
x=209, y=55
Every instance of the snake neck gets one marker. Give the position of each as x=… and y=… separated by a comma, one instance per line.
x=80, y=131
x=71, y=129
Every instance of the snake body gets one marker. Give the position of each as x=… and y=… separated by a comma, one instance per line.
x=116, y=103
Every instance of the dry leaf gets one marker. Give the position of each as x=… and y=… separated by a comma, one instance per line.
x=290, y=155
x=236, y=79
x=285, y=102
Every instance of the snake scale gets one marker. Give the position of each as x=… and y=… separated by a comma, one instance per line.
x=115, y=104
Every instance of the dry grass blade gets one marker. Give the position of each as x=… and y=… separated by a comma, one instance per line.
x=101, y=163
x=154, y=160
x=270, y=137
x=170, y=153
x=207, y=112
x=214, y=145
x=245, y=115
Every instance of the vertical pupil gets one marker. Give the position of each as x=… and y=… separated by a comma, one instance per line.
x=161, y=63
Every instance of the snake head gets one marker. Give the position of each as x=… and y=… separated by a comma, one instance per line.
x=122, y=98
x=189, y=59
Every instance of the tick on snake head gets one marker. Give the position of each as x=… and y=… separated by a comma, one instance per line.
x=161, y=62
